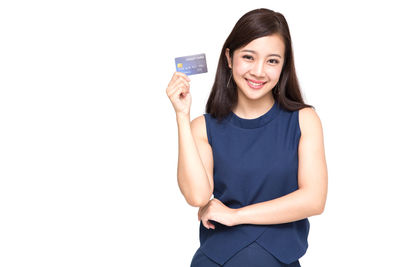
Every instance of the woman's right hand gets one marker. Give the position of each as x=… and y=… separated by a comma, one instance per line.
x=179, y=94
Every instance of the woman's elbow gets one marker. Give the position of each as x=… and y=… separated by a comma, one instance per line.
x=199, y=202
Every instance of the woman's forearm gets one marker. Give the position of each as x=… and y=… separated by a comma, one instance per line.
x=288, y=208
x=192, y=177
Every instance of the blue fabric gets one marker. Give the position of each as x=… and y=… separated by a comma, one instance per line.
x=255, y=160
x=251, y=256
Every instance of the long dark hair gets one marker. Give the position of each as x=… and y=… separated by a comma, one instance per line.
x=252, y=25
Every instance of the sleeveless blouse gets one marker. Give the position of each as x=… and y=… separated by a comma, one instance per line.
x=255, y=160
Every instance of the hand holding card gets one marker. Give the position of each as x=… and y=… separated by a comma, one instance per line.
x=190, y=65
x=178, y=91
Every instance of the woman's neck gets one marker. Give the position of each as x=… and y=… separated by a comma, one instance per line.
x=251, y=109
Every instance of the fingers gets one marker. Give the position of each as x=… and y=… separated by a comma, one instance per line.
x=181, y=74
x=207, y=224
x=178, y=75
x=204, y=217
x=199, y=213
x=201, y=210
x=179, y=84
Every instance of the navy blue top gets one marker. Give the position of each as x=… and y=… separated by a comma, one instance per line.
x=255, y=160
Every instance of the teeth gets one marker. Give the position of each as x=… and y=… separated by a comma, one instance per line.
x=255, y=84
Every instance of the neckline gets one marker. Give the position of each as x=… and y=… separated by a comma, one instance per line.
x=256, y=122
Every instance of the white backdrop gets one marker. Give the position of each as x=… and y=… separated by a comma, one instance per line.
x=89, y=143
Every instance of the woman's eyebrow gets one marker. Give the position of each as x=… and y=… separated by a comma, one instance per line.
x=254, y=52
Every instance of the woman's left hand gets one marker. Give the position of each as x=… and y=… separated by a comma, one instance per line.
x=216, y=210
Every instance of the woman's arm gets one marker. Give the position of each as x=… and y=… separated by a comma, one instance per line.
x=194, y=178
x=311, y=196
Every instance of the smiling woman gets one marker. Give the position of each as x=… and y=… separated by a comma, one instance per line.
x=256, y=72
x=259, y=150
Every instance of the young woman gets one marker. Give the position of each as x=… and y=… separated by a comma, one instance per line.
x=258, y=149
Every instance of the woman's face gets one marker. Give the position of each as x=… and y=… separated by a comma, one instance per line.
x=257, y=66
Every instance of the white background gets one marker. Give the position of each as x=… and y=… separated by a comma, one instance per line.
x=88, y=136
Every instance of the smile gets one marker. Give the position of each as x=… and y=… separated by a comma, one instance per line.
x=255, y=84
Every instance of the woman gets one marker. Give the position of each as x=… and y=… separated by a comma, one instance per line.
x=258, y=149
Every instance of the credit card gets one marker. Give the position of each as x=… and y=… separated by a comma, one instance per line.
x=190, y=65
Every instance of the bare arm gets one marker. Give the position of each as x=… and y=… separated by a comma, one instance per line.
x=194, y=162
x=310, y=198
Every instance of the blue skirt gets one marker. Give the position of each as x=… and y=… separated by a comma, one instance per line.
x=251, y=256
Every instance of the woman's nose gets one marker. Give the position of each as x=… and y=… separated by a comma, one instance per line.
x=258, y=69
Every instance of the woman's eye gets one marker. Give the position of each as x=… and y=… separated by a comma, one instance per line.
x=275, y=61
x=247, y=57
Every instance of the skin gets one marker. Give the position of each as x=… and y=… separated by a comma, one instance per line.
x=258, y=64
x=256, y=61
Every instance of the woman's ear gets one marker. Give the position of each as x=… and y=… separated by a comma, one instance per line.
x=228, y=58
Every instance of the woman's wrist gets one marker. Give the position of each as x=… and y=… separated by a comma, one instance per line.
x=236, y=217
x=182, y=117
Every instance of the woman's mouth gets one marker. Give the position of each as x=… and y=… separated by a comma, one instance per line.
x=255, y=84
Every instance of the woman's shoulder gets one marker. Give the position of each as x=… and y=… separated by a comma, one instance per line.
x=309, y=120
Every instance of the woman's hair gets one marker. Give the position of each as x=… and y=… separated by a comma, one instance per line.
x=252, y=25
